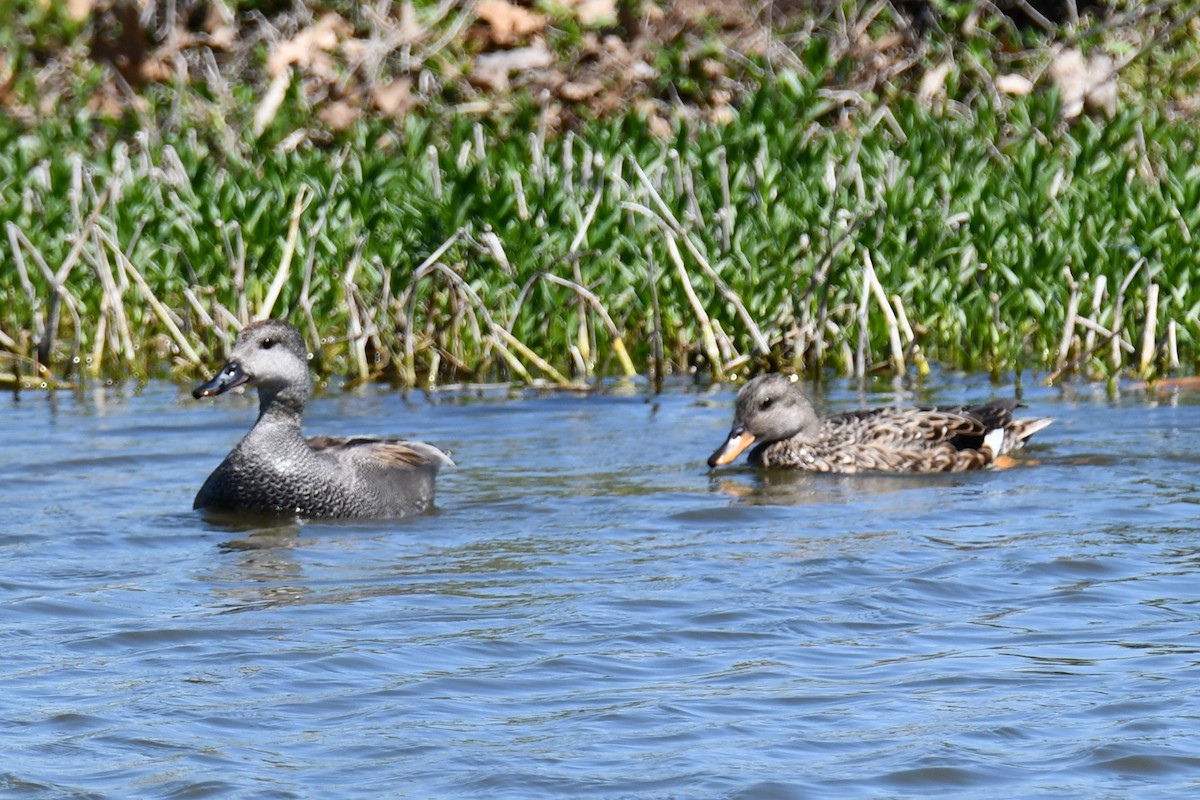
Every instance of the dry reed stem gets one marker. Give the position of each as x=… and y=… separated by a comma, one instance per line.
x=160, y=311
x=667, y=217
x=98, y=339
x=537, y=360
x=58, y=294
x=889, y=315
x=16, y=380
x=706, y=328
x=205, y=317
x=59, y=279
x=1097, y=301
x=860, y=354
x=1068, y=334
x=409, y=371
x=303, y=197
x=656, y=340
x=435, y=171
x=618, y=342
x=1115, y=356
x=14, y=237
x=724, y=345
x=228, y=320
x=1118, y=315
x=583, y=340
x=498, y=336
x=522, y=202
x=1149, y=333
x=1172, y=345
x=725, y=215
x=1105, y=337
x=113, y=294
x=577, y=360
x=1094, y=328
x=513, y=362
x=917, y=356
x=237, y=262
x=357, y=338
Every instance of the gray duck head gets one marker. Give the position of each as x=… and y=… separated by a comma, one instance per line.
x=270, y=355
x=770, y=408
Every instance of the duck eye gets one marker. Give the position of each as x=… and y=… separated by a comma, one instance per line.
x=267, y=344
x=766, y=402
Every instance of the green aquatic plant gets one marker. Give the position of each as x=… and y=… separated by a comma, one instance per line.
x=471, y=250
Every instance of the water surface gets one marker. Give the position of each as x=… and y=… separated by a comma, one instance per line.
x=591, y=613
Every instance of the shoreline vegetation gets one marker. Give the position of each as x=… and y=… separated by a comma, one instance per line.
x=858, y=187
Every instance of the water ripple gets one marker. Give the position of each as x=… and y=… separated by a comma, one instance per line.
x=590, y=612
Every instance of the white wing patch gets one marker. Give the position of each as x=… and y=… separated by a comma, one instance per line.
x=994, y=441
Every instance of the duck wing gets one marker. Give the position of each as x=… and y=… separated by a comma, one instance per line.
x=381, y=452
x=383, y=477
x=958, y=427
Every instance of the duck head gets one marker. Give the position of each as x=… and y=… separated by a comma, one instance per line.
x=769, y=408
x=268, y=354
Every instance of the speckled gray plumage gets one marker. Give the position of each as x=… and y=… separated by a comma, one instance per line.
x=773, y=415
x=275, y=469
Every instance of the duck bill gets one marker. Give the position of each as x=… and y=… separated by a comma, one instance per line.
x=233, y=375
x=737, y=442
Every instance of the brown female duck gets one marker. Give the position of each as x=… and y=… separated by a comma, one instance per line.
x=773, y=414
x=274, y=469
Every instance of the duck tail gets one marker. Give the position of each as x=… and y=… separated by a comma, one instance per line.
x=1014, y=435
x=1022, y=429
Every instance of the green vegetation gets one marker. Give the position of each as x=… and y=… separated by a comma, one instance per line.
x=813, y=229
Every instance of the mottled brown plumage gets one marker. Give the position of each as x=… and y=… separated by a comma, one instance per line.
x=774, y=416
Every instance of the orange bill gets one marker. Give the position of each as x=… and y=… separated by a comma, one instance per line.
x=737, y=442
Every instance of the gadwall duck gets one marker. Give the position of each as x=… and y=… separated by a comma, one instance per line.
x=775, y=415
x=274, y=469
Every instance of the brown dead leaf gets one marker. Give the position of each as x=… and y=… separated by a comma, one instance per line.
x=394, y=98
x=310, y=47
x=712, y=69
x=578, y=91
x=492, y=70
x=590, y=13
x=409, y=28
x=933, y=84
x=220, y=25
x=508, y=23
x=1069, y=72
x=78, y=10
x=1014, y=84
x=338, y=115
x=8, y=79
x=722, y=115
x=158, y=68
x=271, y=101
x=889, y=41
x=658, y=126
x=109, y=101
x=1082, y=82
x=489, y=80
x=1102, y=95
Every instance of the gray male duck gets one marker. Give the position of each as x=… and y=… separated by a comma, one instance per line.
x=773, y=414
x=276, y=470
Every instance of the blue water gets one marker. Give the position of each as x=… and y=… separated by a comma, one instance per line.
x=592, y=613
